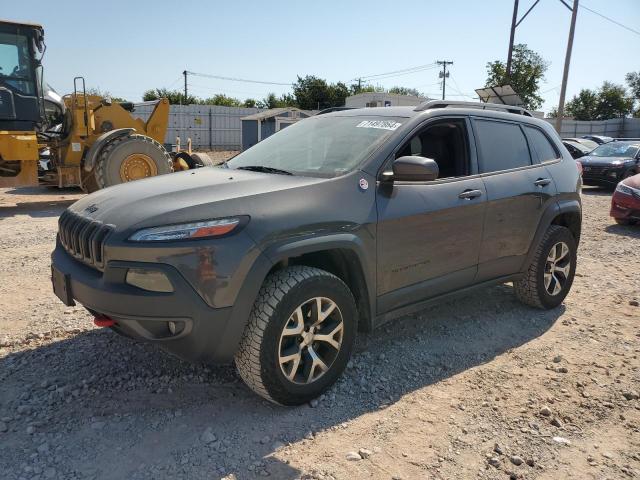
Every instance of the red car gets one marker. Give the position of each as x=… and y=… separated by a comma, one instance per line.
x=625, y=203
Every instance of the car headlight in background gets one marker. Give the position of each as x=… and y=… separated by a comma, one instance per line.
x=187, y=231
x=622, y=188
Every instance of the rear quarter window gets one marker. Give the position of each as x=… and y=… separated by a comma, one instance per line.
x=502, y=146
x=541, y=145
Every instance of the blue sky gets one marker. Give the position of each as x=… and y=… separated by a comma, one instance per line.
x=126, y=47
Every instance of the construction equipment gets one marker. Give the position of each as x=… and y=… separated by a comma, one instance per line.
x=76, y=140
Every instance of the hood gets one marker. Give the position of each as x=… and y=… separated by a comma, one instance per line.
x=200, y=194
x=633, y=182
x=591, y=160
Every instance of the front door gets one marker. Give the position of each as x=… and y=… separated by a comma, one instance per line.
x=429, y=232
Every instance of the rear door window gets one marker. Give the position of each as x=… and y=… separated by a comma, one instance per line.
x=541, y=145
x=502, y=146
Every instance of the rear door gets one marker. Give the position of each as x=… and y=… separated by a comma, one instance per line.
x=518, y=189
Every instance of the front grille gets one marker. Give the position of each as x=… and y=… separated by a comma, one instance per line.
x=589, y=171
x=83, y=238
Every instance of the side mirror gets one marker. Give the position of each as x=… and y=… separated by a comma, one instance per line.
x=413, y=169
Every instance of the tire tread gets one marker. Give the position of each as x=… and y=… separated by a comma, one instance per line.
x=272, y=292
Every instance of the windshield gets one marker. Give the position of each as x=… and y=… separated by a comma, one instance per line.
x=325, y=146
x=578, y=146
x=616, y=149
x=15, y=62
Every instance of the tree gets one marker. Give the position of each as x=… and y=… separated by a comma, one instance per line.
x=584, y=105
x=272, y=101
x=104, y=94
x=609, y=101
x=613, y=102
x=222, y=100
x=527, y=70
x=313, y=93
x=356, y=88
x=175, y=97
x=405, y=91
x=633, y=81
x=249, y=103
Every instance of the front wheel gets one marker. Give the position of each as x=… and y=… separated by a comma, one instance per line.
x=299, y=336
x=550, y=274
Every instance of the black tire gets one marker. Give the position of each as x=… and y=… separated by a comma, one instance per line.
x=184, y=156
x=110, y=158
x=258, y=356
x=201, y=159
x=531, y=289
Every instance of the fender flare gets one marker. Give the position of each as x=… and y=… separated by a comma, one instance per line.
x=343, y=241
x=230, y=338
x=552, y=211
x=102, y=140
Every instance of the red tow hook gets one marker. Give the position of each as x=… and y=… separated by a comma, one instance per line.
x=103, y=321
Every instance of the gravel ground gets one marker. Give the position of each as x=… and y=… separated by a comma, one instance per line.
x=478, y=387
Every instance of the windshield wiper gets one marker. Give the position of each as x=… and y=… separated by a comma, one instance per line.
x=263, y=169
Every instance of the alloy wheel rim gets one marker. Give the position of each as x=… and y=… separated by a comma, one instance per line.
x=311, y=340
x=557, y=268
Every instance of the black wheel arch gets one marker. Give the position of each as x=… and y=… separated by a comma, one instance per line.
x=566, y=213
x=342, y=255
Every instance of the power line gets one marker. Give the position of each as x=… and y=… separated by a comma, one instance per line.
x=404, y=71
x=235, y=79
x=610, y=19
x=456, y=88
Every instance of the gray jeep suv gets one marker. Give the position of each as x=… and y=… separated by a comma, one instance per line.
x=336, y=224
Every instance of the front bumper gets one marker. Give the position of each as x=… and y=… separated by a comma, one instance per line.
x=602, y=175
x=204, y=333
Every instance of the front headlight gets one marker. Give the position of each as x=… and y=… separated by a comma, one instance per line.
x=187, y=231
x=622, y=188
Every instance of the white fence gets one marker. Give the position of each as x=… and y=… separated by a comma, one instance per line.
x=210, y=127
x=616, y=127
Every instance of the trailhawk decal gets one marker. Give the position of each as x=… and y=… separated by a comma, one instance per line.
x=382, y=124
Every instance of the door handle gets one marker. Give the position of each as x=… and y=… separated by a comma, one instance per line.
x=470, y=194
x=542, y=182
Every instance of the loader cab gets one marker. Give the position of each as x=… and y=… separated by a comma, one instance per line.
x=21, y=99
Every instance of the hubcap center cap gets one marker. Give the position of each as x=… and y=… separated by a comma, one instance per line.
x=307, y=337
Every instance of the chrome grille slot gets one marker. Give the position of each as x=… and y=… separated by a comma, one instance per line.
x=83, y=238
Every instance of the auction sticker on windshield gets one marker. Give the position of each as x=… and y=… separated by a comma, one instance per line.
x=382, y=124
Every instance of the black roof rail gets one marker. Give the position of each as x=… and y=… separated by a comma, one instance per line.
x=429, y=104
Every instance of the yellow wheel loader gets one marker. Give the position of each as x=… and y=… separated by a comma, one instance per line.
x=77, y=140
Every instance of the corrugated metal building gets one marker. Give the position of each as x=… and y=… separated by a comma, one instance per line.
x=210, y=127
x=382, y=99
x=259, y=126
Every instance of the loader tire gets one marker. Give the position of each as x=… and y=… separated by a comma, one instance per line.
x=129, y=158
x=201, y=159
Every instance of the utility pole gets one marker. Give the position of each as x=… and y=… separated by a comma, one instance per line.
x=444, y=74
x=567, y=61
x=514, y=24
x=512, y=36
x=185, y=86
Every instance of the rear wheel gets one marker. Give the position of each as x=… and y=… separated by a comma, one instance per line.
x=130, y=158
x=299, y=337
x=550, y=274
